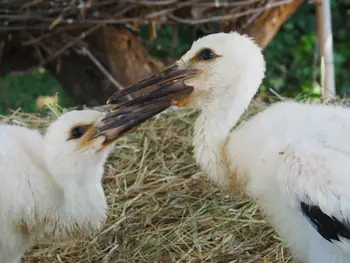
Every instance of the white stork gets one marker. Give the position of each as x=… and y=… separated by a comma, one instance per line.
x=51, y=185
x=292, y=158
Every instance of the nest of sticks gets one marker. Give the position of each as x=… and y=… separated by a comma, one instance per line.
x=161, y=206
x=56, y=26
x=19, y=15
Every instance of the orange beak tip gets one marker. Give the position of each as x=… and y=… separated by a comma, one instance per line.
x=113, y=97
x=109, y=100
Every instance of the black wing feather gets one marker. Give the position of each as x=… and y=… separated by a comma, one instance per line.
x=328, y=227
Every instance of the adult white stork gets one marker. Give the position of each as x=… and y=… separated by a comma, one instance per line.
x=292, y=158
x=51, y=185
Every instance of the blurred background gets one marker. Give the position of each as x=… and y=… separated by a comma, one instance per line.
x=80, y=52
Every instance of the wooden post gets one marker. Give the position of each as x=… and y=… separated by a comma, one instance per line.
x=325, y=39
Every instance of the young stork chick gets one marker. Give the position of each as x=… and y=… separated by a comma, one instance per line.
x=51, y=185
x=292, y=158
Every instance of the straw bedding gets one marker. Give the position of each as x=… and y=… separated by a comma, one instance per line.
x=162, y=208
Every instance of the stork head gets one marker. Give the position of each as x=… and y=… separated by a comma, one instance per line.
x=217, y=66
x=79, y=141
x=75, y=133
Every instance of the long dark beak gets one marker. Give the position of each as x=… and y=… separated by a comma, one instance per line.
x=171, y=88
x=116, y=124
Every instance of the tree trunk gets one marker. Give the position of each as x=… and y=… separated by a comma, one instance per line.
x=81, y=78
x=269, y=22
x=119, y=52
x=127, y=57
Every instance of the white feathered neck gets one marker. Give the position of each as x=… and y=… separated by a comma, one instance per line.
x=216, y=120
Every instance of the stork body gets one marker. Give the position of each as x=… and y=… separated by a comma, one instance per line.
x=47, y=193
x=288, y=155
x=292, y=158
x=285, y=156
x=50, y=186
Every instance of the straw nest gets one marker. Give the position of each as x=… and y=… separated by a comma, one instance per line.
x=162, y=208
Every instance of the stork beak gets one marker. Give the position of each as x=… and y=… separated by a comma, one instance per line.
x=117, y=123
x=172, y=88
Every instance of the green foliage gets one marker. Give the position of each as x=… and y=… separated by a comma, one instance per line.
x=341, y=27
x=23, y=91
x=293, y=65
x=290, y=56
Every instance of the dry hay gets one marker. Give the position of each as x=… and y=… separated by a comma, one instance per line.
x=161, y=207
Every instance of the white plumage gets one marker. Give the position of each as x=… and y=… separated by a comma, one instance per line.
x=51, y=185
x=292, y=158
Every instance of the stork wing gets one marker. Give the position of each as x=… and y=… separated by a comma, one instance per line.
x=327, y=226
x=318, y=174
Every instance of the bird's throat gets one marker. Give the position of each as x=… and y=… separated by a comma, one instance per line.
x=211, y=133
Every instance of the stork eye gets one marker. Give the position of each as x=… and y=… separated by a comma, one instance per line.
x=206, y=54
x=77, y=132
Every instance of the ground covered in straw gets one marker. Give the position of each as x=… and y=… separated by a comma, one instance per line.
x=161, y=207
